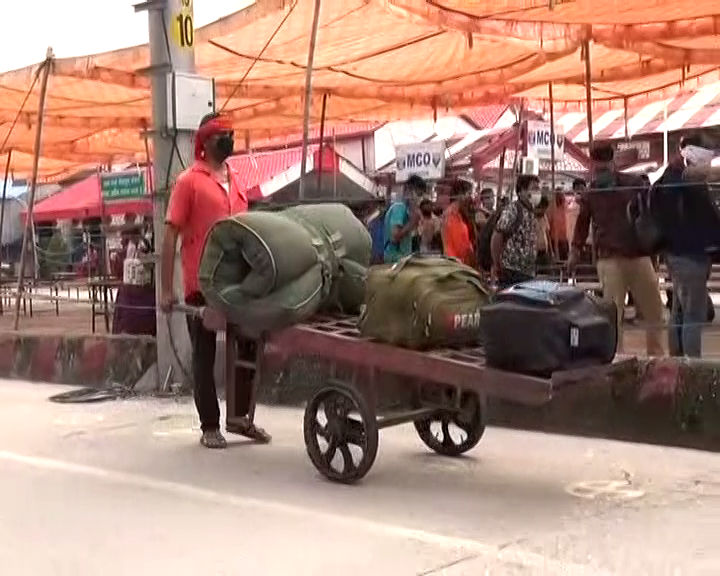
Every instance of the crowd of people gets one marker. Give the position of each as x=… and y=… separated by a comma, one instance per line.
x=516, y=240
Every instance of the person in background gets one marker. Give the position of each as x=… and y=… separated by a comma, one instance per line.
x=543, y=242
x=429, y=229
x=558, y=219
x=459, y=236
x=402, y=219
x=208, y=191
x=622, y=265
x=485, y=208
x=375, y=223
x=690, y=229
x=579, y=189
x=513, y=243
x=148, y=233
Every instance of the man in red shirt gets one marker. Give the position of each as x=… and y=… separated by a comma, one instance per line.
x=208, y=191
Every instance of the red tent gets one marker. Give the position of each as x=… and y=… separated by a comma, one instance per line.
x=84, y=200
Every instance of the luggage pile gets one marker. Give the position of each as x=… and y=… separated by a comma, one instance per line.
x=269, y=270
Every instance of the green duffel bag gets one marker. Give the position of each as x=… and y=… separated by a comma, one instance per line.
x=424, y=302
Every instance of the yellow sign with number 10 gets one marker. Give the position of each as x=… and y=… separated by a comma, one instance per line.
x=183, y=26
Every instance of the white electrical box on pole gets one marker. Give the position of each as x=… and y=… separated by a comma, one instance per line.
x=172, y=63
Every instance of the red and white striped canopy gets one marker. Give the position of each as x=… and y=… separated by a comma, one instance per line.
x=697, y=109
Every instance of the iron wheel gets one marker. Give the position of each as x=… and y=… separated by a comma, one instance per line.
x=454, y=432
x=341, y=434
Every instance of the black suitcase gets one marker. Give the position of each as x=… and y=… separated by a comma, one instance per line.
x=541, y=327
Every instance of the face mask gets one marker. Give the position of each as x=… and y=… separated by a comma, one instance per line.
x=535, y=198
x=697, y=156
x=224, y=146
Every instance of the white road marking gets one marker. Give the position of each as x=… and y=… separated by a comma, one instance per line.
x=510, y=555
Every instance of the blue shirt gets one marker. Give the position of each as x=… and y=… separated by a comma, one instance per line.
x=397, y=215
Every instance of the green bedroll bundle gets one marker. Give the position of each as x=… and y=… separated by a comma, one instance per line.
x=269, y=270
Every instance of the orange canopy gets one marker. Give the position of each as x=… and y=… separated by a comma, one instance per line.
x=376, y=59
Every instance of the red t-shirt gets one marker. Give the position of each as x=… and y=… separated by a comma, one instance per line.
x=457, y=242
x=198, y=200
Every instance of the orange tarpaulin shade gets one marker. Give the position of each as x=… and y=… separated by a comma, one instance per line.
x=376, y=60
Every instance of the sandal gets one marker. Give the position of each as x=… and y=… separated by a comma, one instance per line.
x=213, y=439
x=243, y=427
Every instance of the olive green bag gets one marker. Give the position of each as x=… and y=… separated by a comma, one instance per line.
x=424, y=302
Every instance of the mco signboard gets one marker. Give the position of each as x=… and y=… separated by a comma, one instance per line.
x=538, y=141
x=426, y=160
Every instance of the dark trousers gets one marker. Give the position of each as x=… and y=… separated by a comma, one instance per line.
x=511, y=277
x=563, y=250
x=203, y=362
x=543, y=261
x=689, y=304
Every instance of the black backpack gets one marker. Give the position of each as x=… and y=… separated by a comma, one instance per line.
x=644, y=215
x=484, y=250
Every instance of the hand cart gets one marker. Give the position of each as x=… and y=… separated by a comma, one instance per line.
x=445, y=391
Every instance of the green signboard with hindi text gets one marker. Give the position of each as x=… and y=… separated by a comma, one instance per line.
x=122, y=185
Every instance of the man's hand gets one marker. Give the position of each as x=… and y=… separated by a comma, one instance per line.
x=573, y=260
x=167, y=301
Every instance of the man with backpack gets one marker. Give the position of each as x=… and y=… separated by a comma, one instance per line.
x=688, y=226
x=402, y=219
x=513, y=235
x=623, y=264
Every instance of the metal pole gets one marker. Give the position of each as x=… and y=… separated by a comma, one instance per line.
x=552, y=137
x=2, y=208
x=308, y=98
x=33, y=183
x=172, y=40
x=322, y=136
x=588, y=92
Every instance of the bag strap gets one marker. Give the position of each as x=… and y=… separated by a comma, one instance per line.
x=418, y=258
x=466, y=277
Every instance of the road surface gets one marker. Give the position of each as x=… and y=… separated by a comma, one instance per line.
x=123, y=488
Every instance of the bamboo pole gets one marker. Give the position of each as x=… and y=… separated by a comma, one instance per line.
x=625, y=119
x=322, y=138
x=308, y=99
x=2, y=215
x=588, y=92
x=665, y=135
x=335, y=172
x=33, y=184
x=501, y=175
x=552, y=138
x=518, y=144
x=4, y=196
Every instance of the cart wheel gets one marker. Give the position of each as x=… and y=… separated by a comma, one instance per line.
x=341, y=434
x=452, y=433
